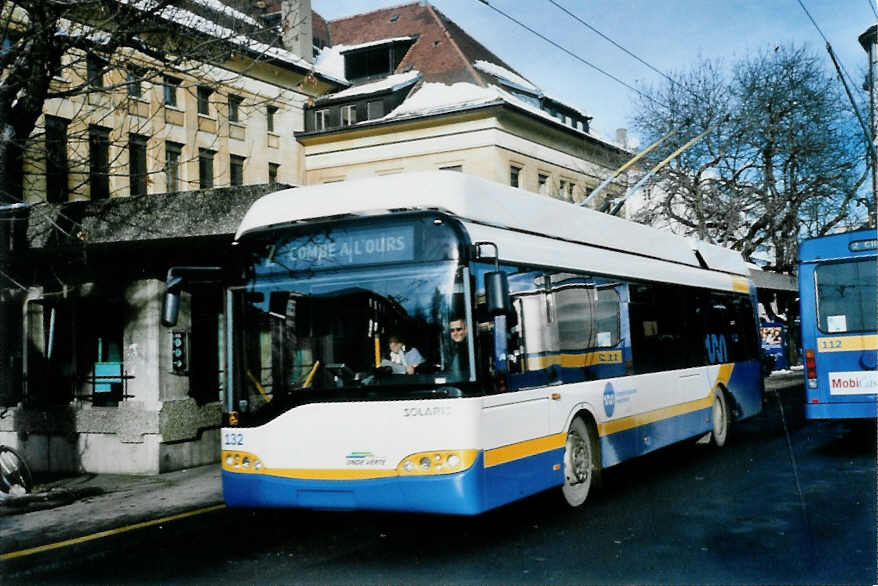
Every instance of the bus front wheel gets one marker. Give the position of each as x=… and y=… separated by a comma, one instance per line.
x=581, y=463
x=720, y=419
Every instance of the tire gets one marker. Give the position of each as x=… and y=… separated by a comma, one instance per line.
x=582, y=467
x=719, y=417
x=14, y=471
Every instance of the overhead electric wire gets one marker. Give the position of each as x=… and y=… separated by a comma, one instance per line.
x=614, y=43
x=572, y=54
x=826, y=40
x=871, y=4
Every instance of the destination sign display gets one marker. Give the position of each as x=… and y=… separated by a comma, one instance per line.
x=345, y=248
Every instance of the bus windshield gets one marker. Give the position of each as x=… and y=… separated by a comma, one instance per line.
x=366, y=333
x=846, y=296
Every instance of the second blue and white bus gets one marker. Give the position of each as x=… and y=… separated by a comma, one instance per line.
x=837, y=297
x=589, y=340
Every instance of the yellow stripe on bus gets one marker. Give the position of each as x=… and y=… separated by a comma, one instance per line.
x=740, y=284
x=524, y=449
x=626, y=423
x=575, y=360
x=848, y=343
x=305, y=473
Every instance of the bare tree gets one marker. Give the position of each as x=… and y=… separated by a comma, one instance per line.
x=89, y=59
x=785, y=160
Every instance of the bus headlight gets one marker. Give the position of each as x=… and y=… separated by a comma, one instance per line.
x=437, y=462
x=241, y=462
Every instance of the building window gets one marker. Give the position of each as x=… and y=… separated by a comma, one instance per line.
x=137, y=163
x=321, y=119
x=542, y=184
x=204, y=94
x=173, y=152
x=348, y=115
x=205, y=168
x=236, y=170
x=99, y=161
x=56, y=159
x=457, y=168
x=172, y=84
x=270, y=113
x=514, y=176
x=235, y=108
x=374, y=110
x=272, y=172
x=134, y=80
x=95, y=67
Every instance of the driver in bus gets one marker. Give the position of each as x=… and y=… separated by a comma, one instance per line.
x=459, y=361
x=402, y=361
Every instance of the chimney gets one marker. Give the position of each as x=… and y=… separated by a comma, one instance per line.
x=622, y=137
x=296, y=25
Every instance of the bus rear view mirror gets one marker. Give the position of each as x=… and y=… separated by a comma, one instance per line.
x=497, y=293
x=171, y=302
x=178, y=277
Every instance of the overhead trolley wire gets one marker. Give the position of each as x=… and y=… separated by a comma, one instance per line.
x=609, y=40
x=826, y=40
x=572, y=54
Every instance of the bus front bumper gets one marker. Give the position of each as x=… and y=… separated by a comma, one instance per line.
x=461, y=493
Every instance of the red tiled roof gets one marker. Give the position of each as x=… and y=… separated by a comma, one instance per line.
x=444, y=52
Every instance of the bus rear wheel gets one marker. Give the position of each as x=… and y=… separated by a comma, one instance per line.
x=719, y=417
x=581, y=463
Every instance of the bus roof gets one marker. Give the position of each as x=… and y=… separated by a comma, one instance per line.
x=485, y=202
x=842, y=245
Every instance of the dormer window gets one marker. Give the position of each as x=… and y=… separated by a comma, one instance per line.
x=375, y=60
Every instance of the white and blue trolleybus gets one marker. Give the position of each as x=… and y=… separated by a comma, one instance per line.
x=437, y=342
x=838, y=301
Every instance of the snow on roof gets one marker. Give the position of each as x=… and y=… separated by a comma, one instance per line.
x=331, y=61
x=505, y=74
x=198, y=23
x=516, y=80
x=436, y=98
x=218, y=6
x=391, y=82
x=348, y=48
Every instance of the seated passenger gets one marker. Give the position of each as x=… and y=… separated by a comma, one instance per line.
x=402, y=361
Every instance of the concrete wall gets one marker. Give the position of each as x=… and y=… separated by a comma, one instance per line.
x=157, y=429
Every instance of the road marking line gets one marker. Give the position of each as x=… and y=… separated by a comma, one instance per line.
x=107, y=533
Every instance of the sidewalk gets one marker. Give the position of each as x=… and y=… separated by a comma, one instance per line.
x=86, y=504
x=90, y=503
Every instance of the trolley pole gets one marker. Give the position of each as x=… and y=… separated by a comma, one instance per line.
x=869, y=41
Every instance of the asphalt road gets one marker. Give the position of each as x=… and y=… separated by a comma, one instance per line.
x=754, y=511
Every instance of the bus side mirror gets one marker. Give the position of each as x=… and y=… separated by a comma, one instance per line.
x=171, y=302
x=497, y=293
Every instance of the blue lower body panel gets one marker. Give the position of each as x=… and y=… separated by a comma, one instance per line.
x=630, y=443
x=846, y=410
x=517, y=479
x=470, y=492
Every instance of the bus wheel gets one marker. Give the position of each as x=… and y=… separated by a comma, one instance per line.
x=581, y=463
x=720, y=419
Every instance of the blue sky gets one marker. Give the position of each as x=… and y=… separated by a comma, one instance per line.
x=670, y=35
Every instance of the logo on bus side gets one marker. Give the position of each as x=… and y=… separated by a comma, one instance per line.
x=609, y=400
x=364, y=459
x=425, y=411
